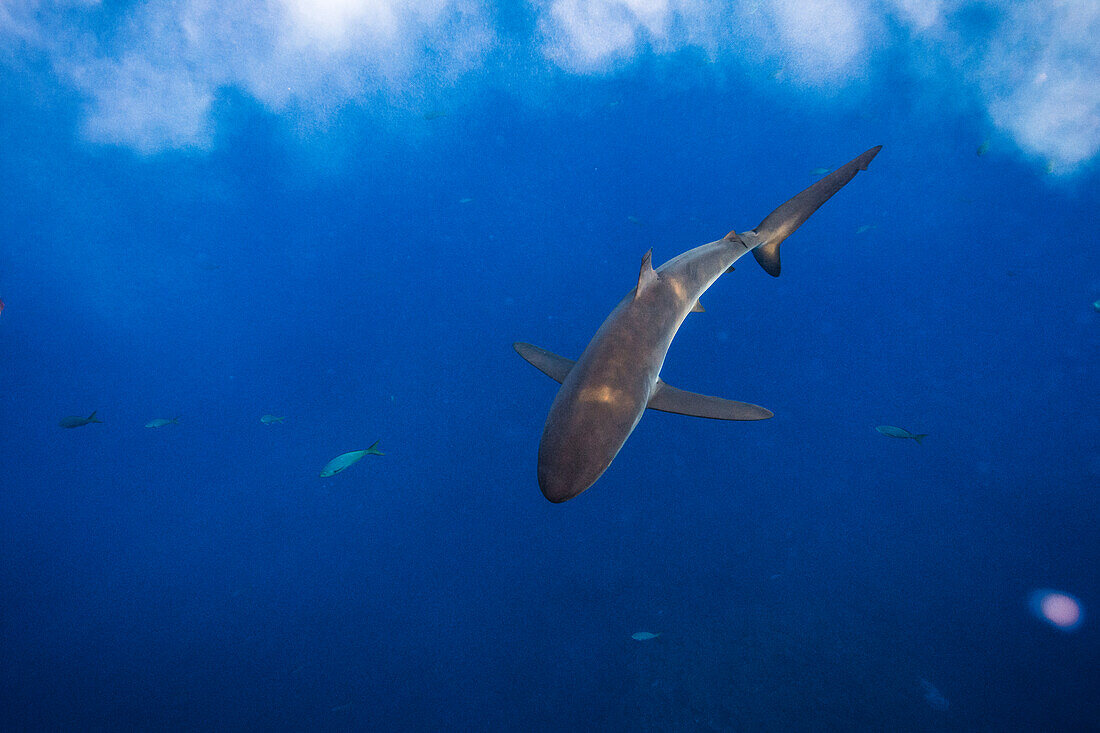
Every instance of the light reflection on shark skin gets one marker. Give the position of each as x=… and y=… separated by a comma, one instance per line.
x=605, y=392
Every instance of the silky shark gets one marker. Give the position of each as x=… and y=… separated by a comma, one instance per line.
x=604, y=393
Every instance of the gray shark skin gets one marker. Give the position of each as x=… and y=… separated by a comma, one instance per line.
x=605, y=392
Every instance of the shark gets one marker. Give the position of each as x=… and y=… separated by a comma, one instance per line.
x=605, y=392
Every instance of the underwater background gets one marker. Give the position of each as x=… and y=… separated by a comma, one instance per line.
x=344, y=213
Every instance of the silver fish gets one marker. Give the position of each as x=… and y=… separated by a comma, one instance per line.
x=896, y=432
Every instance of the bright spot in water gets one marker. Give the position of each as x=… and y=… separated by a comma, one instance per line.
x=1060, y=610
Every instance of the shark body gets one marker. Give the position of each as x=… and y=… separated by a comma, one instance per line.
x=605, y=392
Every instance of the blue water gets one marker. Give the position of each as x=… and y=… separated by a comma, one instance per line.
x=363, y=271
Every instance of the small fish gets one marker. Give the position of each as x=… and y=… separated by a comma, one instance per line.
x=75, y=422
x=865, y=228
x=205, y=262
x=1096, y=305
x=160, y=422
x=893, y=432
x=982, y=149
x=342, y=708
x=1, y=305
x=634, y=220
x=465, y=200
x=644, y=635
x=342, y=461
x=932, y=696
x=434, y=114
x=819, y=171
x=272, y=419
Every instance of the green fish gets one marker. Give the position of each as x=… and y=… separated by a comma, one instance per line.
x=1096, y=305
x=75, y=422
x=982, y=149
x=342, y=461
x=271, y=419
x=644, y=635
x=160, y=422
x=893, y=432
x=819, y=171
x=434, y=114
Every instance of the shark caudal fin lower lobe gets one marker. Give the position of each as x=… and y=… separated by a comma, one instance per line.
x=782, y=222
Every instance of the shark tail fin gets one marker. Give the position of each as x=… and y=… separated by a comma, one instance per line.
x=781, y=223
x=767, y=255
x=93, y=418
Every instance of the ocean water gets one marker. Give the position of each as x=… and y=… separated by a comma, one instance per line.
x=344, y=214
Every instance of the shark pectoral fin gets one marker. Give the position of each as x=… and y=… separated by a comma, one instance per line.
x=698, y=307
x=554, y=366
x=670, y=399
x=782, y=222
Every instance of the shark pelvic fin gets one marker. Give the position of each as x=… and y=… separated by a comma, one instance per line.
x=647, y=275
x=554, y=366
x=781, y=223
x=670, y=399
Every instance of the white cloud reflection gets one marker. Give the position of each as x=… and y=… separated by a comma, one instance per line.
x=150, y=79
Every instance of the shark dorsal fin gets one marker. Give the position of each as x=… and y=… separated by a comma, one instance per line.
x=647, y=275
